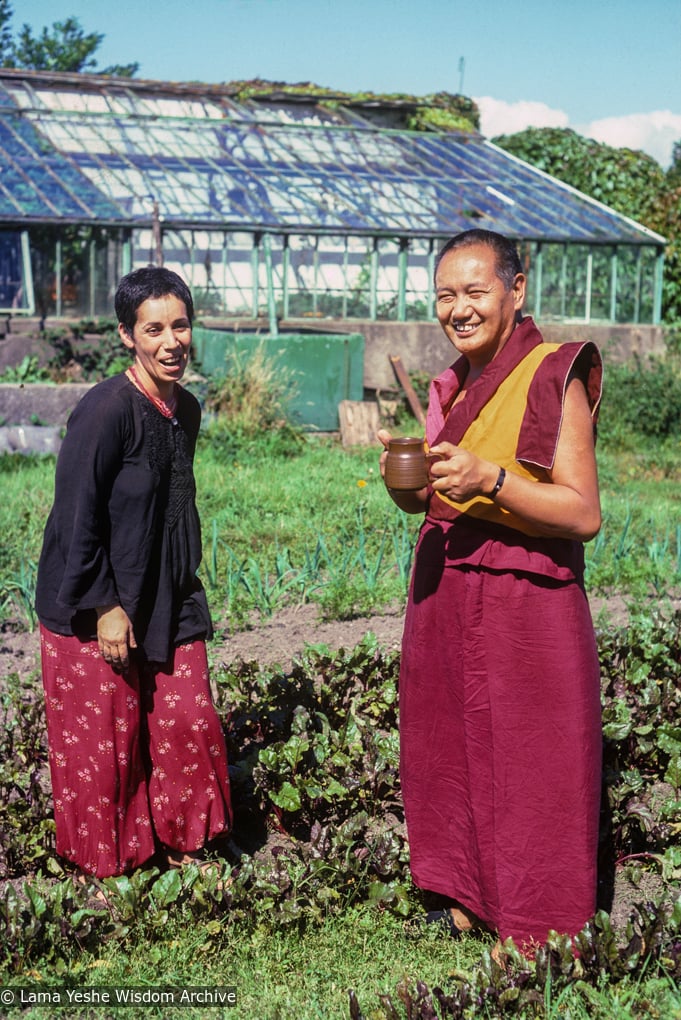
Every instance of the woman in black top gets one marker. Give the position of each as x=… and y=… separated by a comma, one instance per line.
x=137, y=753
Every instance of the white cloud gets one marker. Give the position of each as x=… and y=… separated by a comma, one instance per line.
x=500, y=118
x=654, y=133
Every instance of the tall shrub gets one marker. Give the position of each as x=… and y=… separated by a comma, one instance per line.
x=644, y=398
x=628, y=181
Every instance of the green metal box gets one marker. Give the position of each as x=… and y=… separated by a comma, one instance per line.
x=325, y=367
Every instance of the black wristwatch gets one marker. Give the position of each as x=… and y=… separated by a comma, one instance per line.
x=499, y=482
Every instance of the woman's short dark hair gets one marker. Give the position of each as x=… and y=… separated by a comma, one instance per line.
x=508, y=263
x=148, y=282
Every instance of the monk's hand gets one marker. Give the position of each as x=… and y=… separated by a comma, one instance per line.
x=115, y=636
x=458, y=474
x=383, y=437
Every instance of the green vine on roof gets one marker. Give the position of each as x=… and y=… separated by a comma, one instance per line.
x=439, y=118
x=439, y=111
x=261, y=88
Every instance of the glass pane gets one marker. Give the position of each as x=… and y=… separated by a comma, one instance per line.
x=647, y=295
x=575, y=268
x=601, y=283
x=387, y=279
x=419, y=286
x=358, y=277
x=331, y=277
x=76, y=271
x=635, y=284
x=105, y=150
x=16, y=284
x=300, y=276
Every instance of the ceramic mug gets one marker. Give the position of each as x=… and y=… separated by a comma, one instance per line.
x=406, y=468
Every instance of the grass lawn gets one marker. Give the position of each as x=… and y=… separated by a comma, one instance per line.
x=316, y=524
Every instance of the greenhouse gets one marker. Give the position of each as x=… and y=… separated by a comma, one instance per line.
x=283, y=206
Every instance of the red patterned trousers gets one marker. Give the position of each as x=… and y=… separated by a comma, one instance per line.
x=136, y=760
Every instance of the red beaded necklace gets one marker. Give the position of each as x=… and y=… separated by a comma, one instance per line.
x=168, y=408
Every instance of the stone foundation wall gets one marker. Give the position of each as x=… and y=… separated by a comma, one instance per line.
x=421, y=346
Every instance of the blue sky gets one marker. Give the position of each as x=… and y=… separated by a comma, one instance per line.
x=610, y=69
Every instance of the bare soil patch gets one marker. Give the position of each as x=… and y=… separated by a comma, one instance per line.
x=284, y=636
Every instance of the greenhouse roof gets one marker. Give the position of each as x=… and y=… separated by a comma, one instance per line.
x=88, y=149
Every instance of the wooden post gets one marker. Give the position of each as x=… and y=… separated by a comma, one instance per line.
x=410, y=393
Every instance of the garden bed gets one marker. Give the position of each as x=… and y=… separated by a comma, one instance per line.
x=319, y=833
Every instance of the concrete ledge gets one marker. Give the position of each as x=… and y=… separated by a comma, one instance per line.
x=617, y=343
x=30, y=439
x=422, y=346
x=38, y=403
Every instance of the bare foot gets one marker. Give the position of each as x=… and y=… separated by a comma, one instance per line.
x=464, y=919
x=176, y=858
x=498, y=955
x=91, y=886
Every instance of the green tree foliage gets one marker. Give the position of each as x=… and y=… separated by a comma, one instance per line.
x=5, y=33
x=623, y=179
x=628, y=181
x=65, y=46
x=674, y=172
x=644, y=398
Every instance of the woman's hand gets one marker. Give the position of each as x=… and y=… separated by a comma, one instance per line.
x=115, y=636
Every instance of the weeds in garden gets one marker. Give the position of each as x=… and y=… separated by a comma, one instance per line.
x=254, y=395
x=321, y=835
x=349, y=575
x=17, y=594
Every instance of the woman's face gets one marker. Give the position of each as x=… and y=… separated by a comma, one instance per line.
x=161, y=340
x=474, y=308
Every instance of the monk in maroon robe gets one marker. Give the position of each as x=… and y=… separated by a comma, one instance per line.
x=500, y=724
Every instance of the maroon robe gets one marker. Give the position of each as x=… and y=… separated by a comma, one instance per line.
x=499, y=688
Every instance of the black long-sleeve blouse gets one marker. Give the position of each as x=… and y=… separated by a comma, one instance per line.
x=124, y=527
